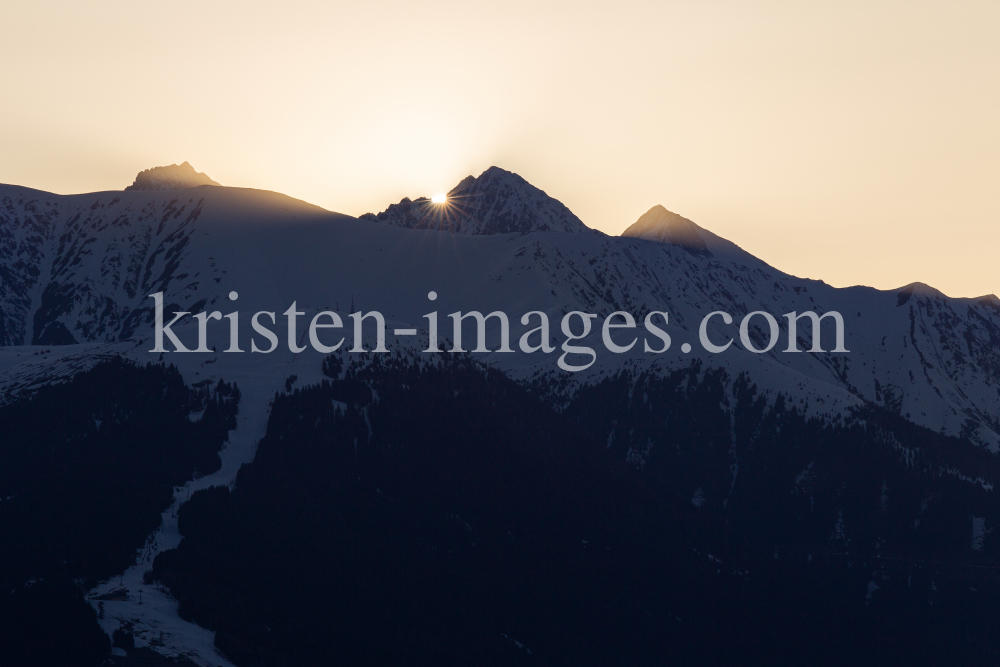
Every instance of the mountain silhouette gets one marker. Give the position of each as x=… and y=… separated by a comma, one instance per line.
x=175, y=177
x=78, y=269
x=659, y=224
x=495, y=202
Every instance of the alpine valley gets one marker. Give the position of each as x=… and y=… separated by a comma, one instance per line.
x=415, y=508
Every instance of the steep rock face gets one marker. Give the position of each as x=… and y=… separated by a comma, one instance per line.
x=174, y=177
x=497, y=202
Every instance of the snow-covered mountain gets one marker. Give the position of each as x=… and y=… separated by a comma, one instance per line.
x=78, y=269
x=495, y=202
x=76, y=273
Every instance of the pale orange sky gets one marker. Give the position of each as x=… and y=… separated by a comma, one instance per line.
x=854, y=142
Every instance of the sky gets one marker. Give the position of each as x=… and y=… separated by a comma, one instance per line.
x=853, y=142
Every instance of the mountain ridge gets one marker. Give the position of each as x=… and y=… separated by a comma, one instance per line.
x=888, y=450
x=79, y=269
x=495, y=202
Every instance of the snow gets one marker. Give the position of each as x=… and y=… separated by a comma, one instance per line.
x=272, y=250
x=495, y=202
x=155, y=618
x=913, y=350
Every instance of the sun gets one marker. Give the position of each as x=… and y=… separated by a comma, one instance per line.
x=439, y=198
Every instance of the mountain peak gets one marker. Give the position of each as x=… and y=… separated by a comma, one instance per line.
x=496, y=202
x=663, y=226
x=173, y=177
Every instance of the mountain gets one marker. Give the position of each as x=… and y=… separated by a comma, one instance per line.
x=659, y=224
x=79, y=269
x=174, y=177
x=495, y=202
x=854, y=485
